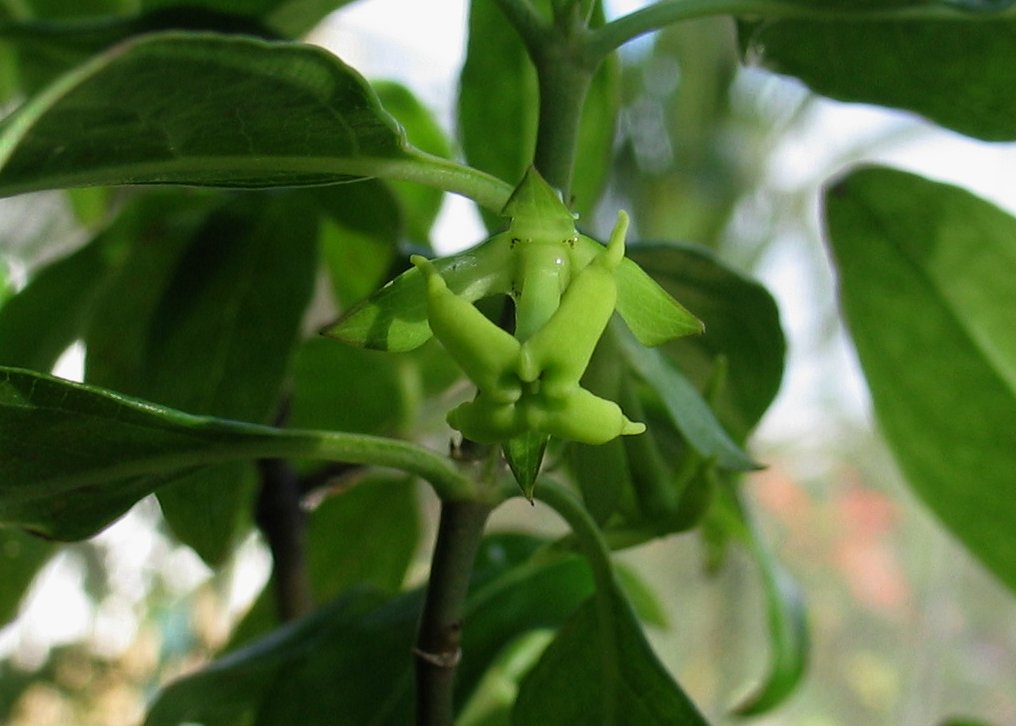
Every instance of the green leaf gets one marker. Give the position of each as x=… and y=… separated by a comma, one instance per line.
x=742, y=326
x=359, y=235
x=786, y=618
x=335, y=666
x=73, y=458
x=50, y=313
x=21, y=557
x=211, y=321
x=926, y=276
x=341, y=388
x=601, y=670
x=189, y=108
x=366, y=534
x=687, y=409
x=955, y=72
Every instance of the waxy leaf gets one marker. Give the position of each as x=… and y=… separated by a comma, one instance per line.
x=73, y=458
x=926, y=276
x=956, y=72
x=601, y=671
x=202, y=109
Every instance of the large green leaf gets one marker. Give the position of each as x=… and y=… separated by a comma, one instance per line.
x=926, y=276
x=200, y=108
x=955, y=72
x=601, y=670
x=38, y=324
x=209, y=329
x=74, y=458
x=742, y=325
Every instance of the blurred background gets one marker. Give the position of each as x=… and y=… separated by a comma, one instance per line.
x=907, y=629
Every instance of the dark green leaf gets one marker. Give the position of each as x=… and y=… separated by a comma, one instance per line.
x=687, y=409
x=926, y=280
x=341, y=388
x=601, y=670
x=21, y=556
x=362, y=228
x=210, y=322
x=201, y=109
x=336, y=666
x=73, y=458
x=955, y=72
x=351, y=661
x=742, y=325
x=367, y=534
x=49, y=314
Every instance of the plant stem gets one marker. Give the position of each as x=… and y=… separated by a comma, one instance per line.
x=616, y=33
x=563, y=82
x=438, y=643
x=283, y=521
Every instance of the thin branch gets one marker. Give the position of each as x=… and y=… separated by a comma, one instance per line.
x=438, y=649
x=283, y=522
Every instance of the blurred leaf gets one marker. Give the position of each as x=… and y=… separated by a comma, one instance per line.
x=62, y=9
x=334, y=666
x=786, y=617
x=741, y=324
x=21, y=557
x=50, y=313
x=926, y=276
x=201, y=109
x=359, y=236
x=341, y=388
x=209, y=330
x=364, y=535
x=687, y=409
x=499, y=101
x=644, y=600
x=601, y=670
x=420, y=204
x=295, y=18
x=955, y=72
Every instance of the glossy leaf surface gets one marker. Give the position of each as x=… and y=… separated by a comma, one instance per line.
x=954, y=72
x=926, y=276
x=204, y=109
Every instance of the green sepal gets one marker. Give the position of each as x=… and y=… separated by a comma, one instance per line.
x=537, y=212
x=649, y=311
x=395, y=317
x=524, y=454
